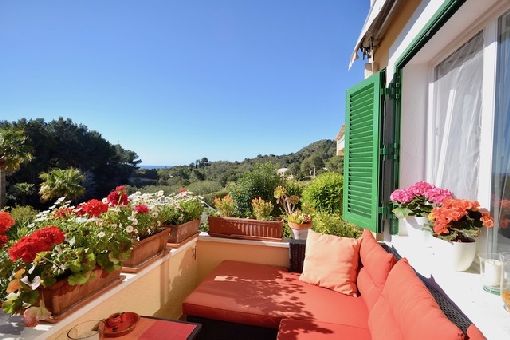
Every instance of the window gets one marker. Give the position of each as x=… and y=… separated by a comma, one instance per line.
x=457, y=108
x=501, y=149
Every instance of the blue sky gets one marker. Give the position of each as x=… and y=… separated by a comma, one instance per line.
x=179, y=80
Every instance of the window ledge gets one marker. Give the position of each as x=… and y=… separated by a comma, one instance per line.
x=484, y=309
x=207, y=238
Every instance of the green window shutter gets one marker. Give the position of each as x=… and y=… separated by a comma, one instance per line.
x=362, y=153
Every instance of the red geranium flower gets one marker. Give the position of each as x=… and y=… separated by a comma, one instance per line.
x=93, y=208
x=118, y=196
x=39, y=241
x=6, y=222
x=142, y=209
x=63, y=212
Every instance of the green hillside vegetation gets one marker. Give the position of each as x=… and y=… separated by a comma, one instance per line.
x=212, y=179
x=63, y=144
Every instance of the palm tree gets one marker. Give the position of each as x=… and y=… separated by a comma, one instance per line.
x=14, y=151
x=61, y=183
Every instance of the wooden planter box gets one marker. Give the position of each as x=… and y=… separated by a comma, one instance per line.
x=181, y=232
x=146, y=251
x=62, y=299
x=245, y=228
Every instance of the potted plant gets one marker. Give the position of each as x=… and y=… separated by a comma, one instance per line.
x=456, y=225
x=298, y=221
x=59, y=261
x=136, y=215
x=180, y=214
x=414, y=203
x=224, y=224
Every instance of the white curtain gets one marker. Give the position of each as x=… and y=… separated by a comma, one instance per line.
x=457, y=119
x=501, y=153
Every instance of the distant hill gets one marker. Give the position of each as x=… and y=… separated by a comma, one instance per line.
x=204, y=177
x=155, y=167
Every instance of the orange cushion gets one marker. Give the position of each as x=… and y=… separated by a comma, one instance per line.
x=331, y=262
x=263, y=295
x=407, y=310
x=474, y=333
x=316, y=330
x=377, y=264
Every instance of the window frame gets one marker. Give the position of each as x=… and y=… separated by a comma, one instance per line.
x=487, y=23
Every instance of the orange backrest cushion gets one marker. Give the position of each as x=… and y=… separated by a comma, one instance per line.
x=406, y=310
x=474, y=333
x=377, y=264
x=331, y=262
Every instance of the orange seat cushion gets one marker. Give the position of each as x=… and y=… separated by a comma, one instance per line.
x=377, y=264
x=407, y=310
x=316, y=330
x=263, y=295
x=331, y=262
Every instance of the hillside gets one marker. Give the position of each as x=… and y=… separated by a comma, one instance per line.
x=204, y=177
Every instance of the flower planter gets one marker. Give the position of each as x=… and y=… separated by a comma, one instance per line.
x=416, y=229
x=181, y=232
x=456, y=256
x=245, y=228
x=300, y=231
x=146, y=250
x=62, y=298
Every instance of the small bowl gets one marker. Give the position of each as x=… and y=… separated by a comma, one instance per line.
x=118, y=324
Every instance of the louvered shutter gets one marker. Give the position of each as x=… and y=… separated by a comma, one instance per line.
x=362, y=153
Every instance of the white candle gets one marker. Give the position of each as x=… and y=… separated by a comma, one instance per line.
x=492, y=273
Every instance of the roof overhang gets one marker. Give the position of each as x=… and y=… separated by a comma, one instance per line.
x=376, y=24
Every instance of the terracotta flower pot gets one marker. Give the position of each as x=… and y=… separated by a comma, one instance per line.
x=300, y=230
x=146, y=249
x=181, y=232
x=61, y=297
x=245, y=228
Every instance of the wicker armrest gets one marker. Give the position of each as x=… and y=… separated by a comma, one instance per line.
x=297, y=255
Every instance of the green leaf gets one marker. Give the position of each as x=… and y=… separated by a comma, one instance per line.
x=79, y=278
x=75, y=266
x=402, y=212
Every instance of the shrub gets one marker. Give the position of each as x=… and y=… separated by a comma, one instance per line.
x=262, y=209
x=61, y=183
x=334, y=225
x=225, y=205
x=260, y=182
x=324, y=193
x=209, y=198
x=23, y=215
x=204, y=187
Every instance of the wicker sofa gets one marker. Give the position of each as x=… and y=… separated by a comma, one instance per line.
x=240, y=300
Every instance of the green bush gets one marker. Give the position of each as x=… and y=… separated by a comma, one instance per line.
x=260, y=182
x=204, y=187
x=324, y=193
x=23, y=215
x=334, y=225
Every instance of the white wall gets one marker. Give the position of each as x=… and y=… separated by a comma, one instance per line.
x=413, y=124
